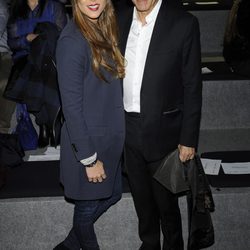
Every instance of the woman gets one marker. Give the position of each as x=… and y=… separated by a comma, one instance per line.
x=25, y=15
x=89, y=66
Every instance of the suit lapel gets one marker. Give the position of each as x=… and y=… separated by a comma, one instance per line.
x=162, y=26
x=124, y=29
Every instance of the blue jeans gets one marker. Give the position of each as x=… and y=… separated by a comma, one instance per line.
x=82, y=235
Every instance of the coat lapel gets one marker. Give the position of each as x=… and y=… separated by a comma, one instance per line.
x=162, y=26
x=125, y=24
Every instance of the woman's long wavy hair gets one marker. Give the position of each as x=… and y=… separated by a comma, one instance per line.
x=103, y=40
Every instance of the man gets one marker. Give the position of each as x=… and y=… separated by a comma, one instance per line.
x=7, y=107
x=162, y=100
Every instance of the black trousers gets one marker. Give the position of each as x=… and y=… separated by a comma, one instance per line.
x=157, y=208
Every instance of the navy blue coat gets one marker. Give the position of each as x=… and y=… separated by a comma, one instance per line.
x=94, y=118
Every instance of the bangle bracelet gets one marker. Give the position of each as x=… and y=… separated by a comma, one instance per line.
x=91, y=164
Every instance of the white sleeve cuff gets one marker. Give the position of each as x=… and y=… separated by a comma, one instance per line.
x=89, y=160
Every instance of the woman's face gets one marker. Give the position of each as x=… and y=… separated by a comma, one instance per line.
x=92, y=8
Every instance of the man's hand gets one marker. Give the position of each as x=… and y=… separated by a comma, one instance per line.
x=96, y=173
x=186, y=153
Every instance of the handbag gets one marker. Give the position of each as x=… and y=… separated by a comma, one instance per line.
x=171, y=173
x=24, y=129
x=200, y=205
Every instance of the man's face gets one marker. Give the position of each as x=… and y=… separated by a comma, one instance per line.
x=144, y=6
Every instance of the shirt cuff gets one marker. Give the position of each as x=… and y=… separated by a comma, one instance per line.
x=89, y=160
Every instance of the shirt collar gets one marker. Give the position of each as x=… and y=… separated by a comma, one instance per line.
x=152, y=15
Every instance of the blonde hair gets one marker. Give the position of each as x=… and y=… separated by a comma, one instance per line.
x=231, y=28
x=103, y=40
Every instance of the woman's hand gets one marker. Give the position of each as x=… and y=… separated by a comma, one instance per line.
x=96, y=173
x=30, y=37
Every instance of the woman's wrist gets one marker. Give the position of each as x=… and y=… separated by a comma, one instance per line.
x=92, y=164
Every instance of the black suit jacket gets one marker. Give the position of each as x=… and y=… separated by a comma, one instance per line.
x=171, y=85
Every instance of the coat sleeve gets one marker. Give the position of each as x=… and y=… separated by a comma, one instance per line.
x=15, y=41
x=60, y=15
x=71, y=59
x=3, y=17
x=192, y=85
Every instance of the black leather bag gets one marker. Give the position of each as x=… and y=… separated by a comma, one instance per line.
x=171, y=173
x=200, y=205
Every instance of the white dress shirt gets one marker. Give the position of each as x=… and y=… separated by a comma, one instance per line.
x=136, y=53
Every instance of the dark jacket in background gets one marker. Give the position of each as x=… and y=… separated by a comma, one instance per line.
x=33, y=79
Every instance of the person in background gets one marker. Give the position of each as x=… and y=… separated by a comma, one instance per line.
x=236, y=50
x=6, y=107
x=90, y=66
x=62, y=1
x=162, y=100
x=24, y=16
